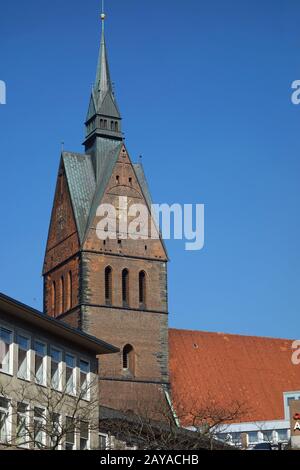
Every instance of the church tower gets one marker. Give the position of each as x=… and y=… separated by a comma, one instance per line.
x=114, y=288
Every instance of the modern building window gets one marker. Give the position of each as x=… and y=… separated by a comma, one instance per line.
x=23, y=357
x=4, y=413
x=108, y=285
x=40, y=363
x=56, y=432
x=282, y=435
x=84, y=435
x=84, y=367
x=5, y=350
x=70, y=433
x=253, y=437
x=103, y=441
x=70, y=374
x=22, y=425
x=235, y=437
x=268, y=436
x=55, y=355
x=129, y=359
x=288, y=397
x=142, y=288
x=125, y=287
x=38, y=427
x=69, y=291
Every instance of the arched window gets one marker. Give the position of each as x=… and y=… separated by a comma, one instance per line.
x=53, y=298
x=108, y=285
x=62, y=295
x=69, y=291
x=125, y=287
x=105, y=124
x=142, y=288
x=129, y=359
x=101, y=123
x=116, y=126
x=112, y=127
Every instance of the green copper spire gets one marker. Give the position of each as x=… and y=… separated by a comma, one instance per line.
x=103, y=118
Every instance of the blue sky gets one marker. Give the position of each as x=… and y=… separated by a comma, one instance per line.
x=204, y=88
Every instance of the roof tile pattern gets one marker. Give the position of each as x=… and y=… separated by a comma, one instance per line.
x=229, y=368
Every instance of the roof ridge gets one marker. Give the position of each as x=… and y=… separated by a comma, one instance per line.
x=231, y=334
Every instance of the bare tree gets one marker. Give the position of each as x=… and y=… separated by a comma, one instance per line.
x=210, y=417
x=46, y=419
x=138, y=429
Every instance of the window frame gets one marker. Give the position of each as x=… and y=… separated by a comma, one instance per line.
x=68, y=432
x=40, y=419
x=59, y=367
x=24, y=335
x=87, y=395
x=7, y=412
x=286, y=396
x=87, y=440
x=25, y=414
x=59, y=422
x=44, y=362
x=74, y=388
x=9, y=370
x=106, y=437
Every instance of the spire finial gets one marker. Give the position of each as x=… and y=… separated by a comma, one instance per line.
x=103, y=102
x=103, y=16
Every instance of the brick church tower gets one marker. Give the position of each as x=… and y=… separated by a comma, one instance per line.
x=116, y=288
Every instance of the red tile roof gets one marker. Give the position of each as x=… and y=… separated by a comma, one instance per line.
x=229, y=368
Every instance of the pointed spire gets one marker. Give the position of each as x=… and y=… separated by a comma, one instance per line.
x=103, y=82
x=103, y=118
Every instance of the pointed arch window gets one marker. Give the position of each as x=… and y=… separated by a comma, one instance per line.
x=62, y=295
x=69, y=291
x=128, y=359
x=125, y=287
x=142, y=288
x=53, y=298
x=108, y=285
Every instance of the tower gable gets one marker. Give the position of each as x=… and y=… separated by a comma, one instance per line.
x=63, y=240
x=125, y=181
